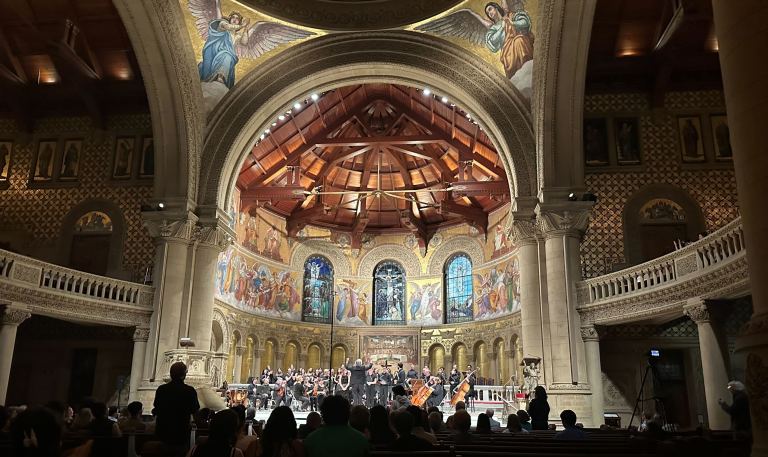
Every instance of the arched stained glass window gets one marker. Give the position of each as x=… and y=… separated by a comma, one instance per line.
x=458, y=289
x=389, y=294
x=318, y=290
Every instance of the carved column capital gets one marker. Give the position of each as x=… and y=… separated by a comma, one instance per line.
x=524, y=230
x=699, y=312
x=567, y=219
x=213, y=236
x=14, y=316
x=170, y=226
x=141, y=334
x=240, y=350
x=590, y=333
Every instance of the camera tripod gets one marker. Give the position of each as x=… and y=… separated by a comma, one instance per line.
x=659, y=401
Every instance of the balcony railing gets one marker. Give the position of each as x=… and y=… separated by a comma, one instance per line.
x=708, y=253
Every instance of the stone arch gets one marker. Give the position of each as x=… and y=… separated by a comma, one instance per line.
x=221, y=320
x=456, y=355
x=341, y=59
x=436, y=354
x=217, y=337
x=117, y=239
x=465, y=244
x=168, y=67
x=305, y=249
x=404, y=256
x=694, y=221
x=346, y=353
x=315, y=346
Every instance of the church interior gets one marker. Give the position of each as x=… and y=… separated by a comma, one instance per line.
x=535, y=193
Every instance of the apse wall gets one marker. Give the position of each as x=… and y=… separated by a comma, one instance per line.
x=263, y=273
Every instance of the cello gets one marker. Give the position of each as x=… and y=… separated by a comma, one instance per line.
x=462, y=389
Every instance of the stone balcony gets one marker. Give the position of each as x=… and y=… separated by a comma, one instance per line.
x=713, y=267
x=51, y=290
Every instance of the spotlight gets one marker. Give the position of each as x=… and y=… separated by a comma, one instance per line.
x=274, y=124
x=572, y=197
x=469, y=116
x=261, y=137
x=444, y=100
x=281, y=117
x=266, y=131
x=160, y=205
x=427, y=91
x=314, y=97
x=297, y=105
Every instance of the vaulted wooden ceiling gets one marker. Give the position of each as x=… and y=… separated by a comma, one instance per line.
x=376, y=158
x=653, y=46
x=66, y=57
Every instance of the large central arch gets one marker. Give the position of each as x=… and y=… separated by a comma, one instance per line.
x=340, y=59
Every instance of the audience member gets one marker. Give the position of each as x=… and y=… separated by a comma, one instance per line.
x=82, y=421
x=359, y=417
x=202, y=418
x=379, y=427
x=399, y=398
x=460, y=405
x=462, y=422
x=571, y=432
x=175, y=402
x=279, y=438
x=739, y=409
x=483, y=424
x=495, y=425
x=433, y=409
x=449, y=423
x=406, y=441
x=102, y=425
x=221, y=437
x=248, y=444
x=336, y=437
x=36, y=432
x=514, y=425
x=131, y=422
x=525, y=420
x=435, y=420
x=313, y=422
x=419, y=421
x=539, y=409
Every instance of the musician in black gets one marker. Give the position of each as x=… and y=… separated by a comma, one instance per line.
x=437, y=395
x=263, y=393
x=253, y=385
x=412, y=374
x=300, y=392
x=454, y=379
x=385, y=381
x=371, y=379
x=280, y=394
x=441, y=375
x=472, y=380
x=343, y=383
x=358, y=379
x=400, y=375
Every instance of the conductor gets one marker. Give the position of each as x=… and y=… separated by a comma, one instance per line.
x=358, y=379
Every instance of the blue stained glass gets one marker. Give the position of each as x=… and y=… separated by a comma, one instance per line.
x=389, y=294
x=318, y=290
x=458, y=289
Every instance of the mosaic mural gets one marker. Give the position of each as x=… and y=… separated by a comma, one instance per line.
x=497, y=290
x=425, y=306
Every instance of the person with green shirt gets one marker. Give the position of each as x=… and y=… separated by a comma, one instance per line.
x=336, y=437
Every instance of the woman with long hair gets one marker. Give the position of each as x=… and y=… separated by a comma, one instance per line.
x=483, y=424
x=222, y=436
x=538, y=409
x=379, y=427
x=279, y=437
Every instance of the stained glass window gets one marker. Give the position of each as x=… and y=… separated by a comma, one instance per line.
x=318, y=290
x=389, y=294
x=458, y=289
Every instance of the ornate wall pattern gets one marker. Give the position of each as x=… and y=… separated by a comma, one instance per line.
x=713, y=187
x=32, y=218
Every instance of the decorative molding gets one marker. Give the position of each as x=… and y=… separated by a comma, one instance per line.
x=141, y=334
x=399, y=253
x=686, y=265
x=698, y=313
x=590, y=333
x=559, y=222
x=524, y=231
x=27, y=274
x=212, y=236
x=14, y=316
x=305, y=249
x=462, y=243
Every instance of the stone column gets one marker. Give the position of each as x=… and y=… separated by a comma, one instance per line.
x=563, y=225
x=237, y=378
x=524, y=233
x=140, y=337
x=9, y=323
x=279, y=357
x=509, y=355
x=741, y=36
x=714, y=361
x=172, y=242
x=493, y=365
x=256, y=369
x=591, y=338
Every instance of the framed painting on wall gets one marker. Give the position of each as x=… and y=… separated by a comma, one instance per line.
x=42, y=168
x=627, y=140
x=5, y=160
x=70, y=160
x=123, y=163
x=691, y=144
x=147, y=167
x=721, y=137
x=595, y=142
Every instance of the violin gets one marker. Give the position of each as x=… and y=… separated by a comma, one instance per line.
x=462, y=390
x=281, y=391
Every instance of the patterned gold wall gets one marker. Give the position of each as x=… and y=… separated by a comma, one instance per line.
x=40, y=211
x=712, y=186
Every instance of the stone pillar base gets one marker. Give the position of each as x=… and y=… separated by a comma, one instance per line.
x=198, y=365
x=577, y=398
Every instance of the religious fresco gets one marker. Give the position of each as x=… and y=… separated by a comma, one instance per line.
x=389, y=349
x=424, y=305
x=497, y=290
x=94, y=221
x=352, y=307
x=256, y=287
x=389, y=294
x=500, y=33
x=261, y=233
x=318, y=290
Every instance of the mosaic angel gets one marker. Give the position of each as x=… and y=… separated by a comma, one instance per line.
x=229, y=38
x=505, y=29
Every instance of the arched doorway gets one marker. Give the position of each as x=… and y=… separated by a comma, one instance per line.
x=481, y=359
x=338, y=356
x=291, y=356
x=436, y=357
x=234, y=342
x=501, y=369
x=248, y=357
x=314, y=356
x=459, y=355
x=270, y=347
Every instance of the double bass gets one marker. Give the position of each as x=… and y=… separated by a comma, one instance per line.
x=421, y=392
x=462, y=389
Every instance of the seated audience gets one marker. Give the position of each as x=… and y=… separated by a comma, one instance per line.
x=279, y=438
x=514, y=425
x=399, y=398
x=462, y=422
x=461, y=405
x=336, y=438
x=175, y=403
x=418, y=429
x=249, y=444
x=379, y=427
x=483, y=424
x=571, y=432
x=525, y=420
x=495, y=425
x=202, y=418
x=435, y=420
x=82, y=421
x=36, y=432
x=221, y=437
x=404, y=421
x=132, y=423
x=538, y=409
x=359, y=417
x=313, y=422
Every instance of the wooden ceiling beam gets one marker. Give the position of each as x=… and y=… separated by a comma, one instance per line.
x=473, y=216
x=299, y=219
x=379, y=140
x=10, y=65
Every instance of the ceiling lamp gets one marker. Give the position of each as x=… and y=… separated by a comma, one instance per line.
x=427, y=91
